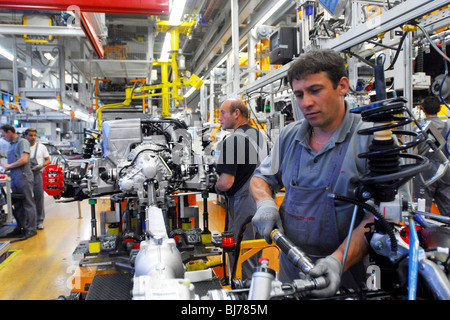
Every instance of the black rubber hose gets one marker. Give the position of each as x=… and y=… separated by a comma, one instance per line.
x=385, y=224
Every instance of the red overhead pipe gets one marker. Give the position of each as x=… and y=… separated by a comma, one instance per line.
x=92, y=36
x=145, y=7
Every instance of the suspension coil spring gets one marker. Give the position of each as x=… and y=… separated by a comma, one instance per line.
x=90, y=137
x=386, y=173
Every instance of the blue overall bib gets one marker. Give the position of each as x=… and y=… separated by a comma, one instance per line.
x=38, y=190
x=240, y=206
x=309, y=218
x=22, y=184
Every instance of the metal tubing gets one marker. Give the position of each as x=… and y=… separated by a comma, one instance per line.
x=441, y=218
x=294, y=254
x=157, y=7
x=349, y=236
x=413, y=267
x=235, y=43
x=435, y=278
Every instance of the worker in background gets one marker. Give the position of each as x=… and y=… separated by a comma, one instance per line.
x=439, y=191
x=311, y=158
x=21, y=182
x=240, y=154
x=4, y=146
x=39, y=159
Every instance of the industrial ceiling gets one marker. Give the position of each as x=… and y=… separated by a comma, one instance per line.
x=116, y=43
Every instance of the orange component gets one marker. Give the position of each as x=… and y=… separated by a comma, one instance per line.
x=83, y=277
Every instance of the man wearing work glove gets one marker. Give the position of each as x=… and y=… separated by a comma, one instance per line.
x=267, y=218
x=329, y=267
x=39, y=159
x=312, y=158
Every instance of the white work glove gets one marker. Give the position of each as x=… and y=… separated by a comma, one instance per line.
x=329, y=267
x=267, y=218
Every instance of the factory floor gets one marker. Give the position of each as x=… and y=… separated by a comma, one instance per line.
x=41, y=268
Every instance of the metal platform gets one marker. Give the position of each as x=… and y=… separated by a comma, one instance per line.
x=118, y=286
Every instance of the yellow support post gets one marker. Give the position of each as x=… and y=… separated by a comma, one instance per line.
x=165, y=90
x=248, y=249
x=177, y=81
x=96, y=80
x=174, y=47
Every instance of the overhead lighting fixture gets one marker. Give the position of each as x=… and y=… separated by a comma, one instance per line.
x=191, y=91
x=49, y=103
x=48, y=56
x=6, y=54
x=83, y=116
x=270, y=12
x=36, y=73
x=176, y=13
x=165, y=48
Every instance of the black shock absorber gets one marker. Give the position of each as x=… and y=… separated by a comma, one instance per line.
x=90, y=136
x=386, y=171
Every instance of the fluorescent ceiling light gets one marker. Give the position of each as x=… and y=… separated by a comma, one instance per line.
x=6, y=54
x=52, y=104
x=49, y=103
x=270, y=12
x=191, y=91
x=176, y=13
x=83, y=116
x=48, y=56
x=165, y=48
x=36, y=73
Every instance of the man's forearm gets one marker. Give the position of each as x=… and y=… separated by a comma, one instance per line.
x=19, y=162
x=225, y=182
x=259, y=189
x=46, y=162
x=358, y=245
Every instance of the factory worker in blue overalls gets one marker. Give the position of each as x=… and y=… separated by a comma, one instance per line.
x=312, y=158
x=21, y=182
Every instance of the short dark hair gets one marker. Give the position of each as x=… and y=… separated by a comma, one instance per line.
x=29, y=130
x=8, y=127
x=431, y=105
x=239, y=104
x=315, y=61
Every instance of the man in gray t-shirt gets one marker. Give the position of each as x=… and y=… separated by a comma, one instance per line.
x=312, y=158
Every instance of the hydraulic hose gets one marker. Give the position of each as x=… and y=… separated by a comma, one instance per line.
x=385, y=224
